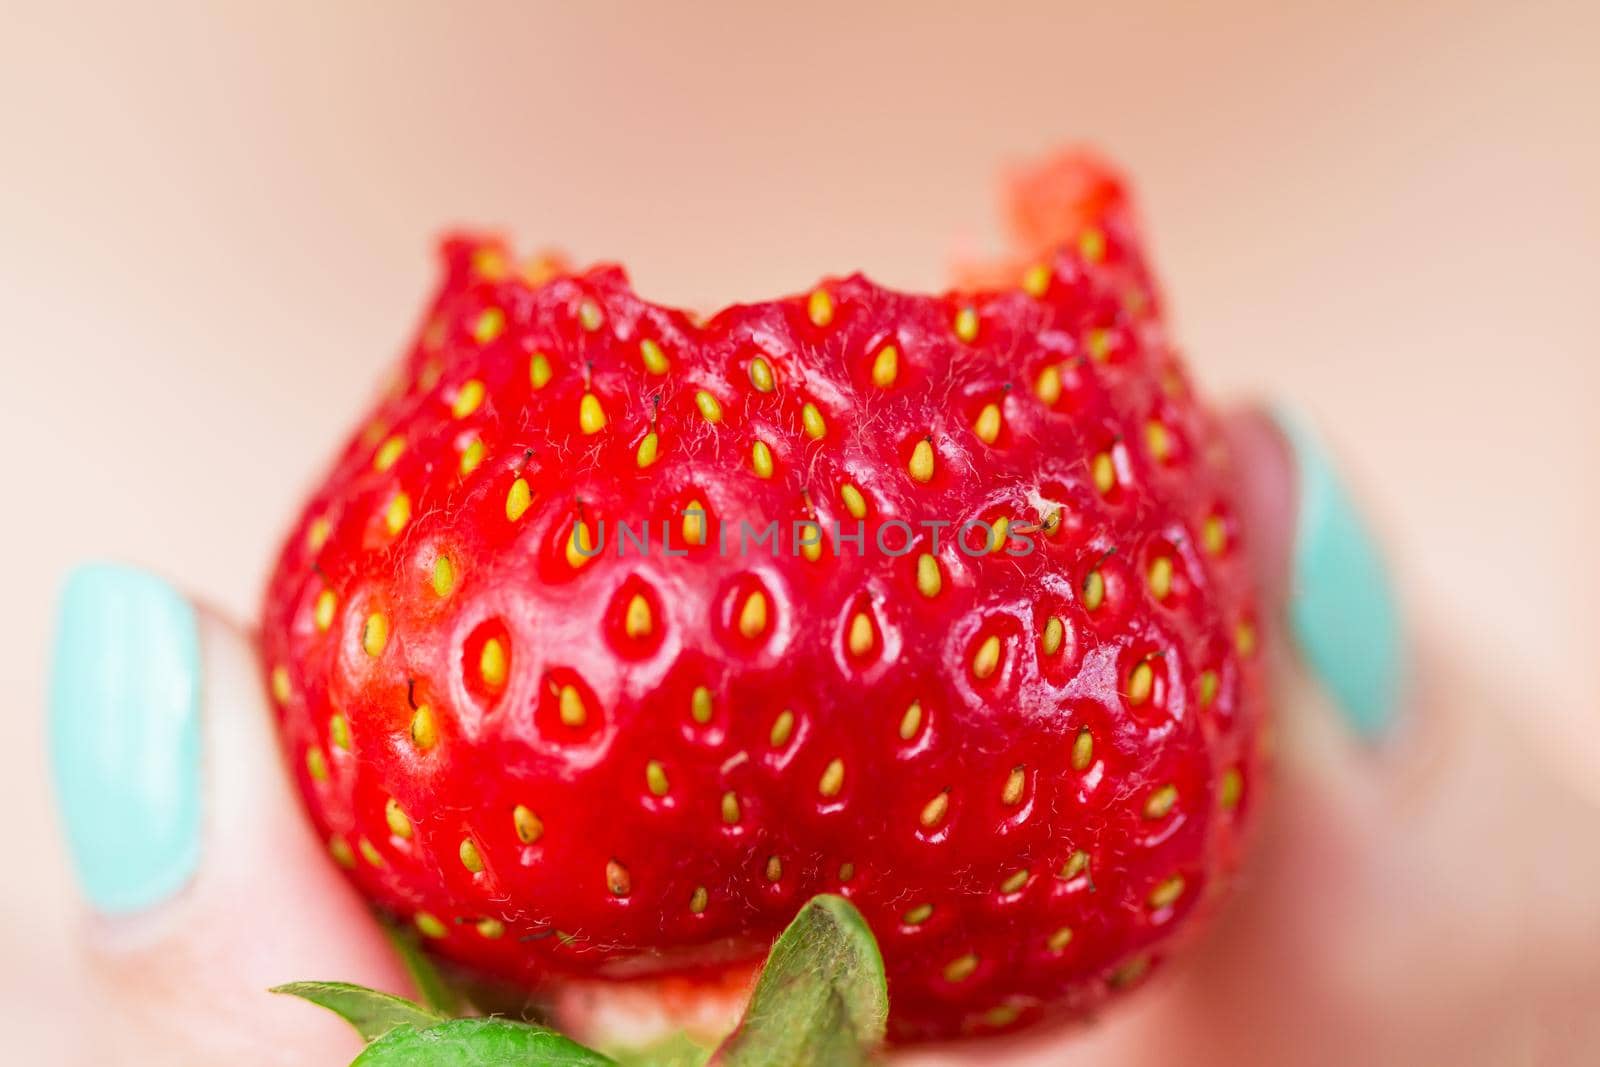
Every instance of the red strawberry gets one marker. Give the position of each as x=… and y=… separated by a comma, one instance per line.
x=1025, y=761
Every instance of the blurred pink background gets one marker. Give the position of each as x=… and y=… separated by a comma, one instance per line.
x=216, y=227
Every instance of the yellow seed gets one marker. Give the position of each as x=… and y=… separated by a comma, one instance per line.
x=812, y=419
x=539, y=370
x=317, y=533
x=1016, y=782
x=832, y=779
x=918, y=915
x=529, y=827
x=637, y=622
x=655, y=777
x=491, y=324
x=761, y=375
x=774, y=868
x=424, y=732
x=471, y=859
x=429, y=375
x=698, y=900
x=430, y=925
x=518, y=499
x=911, y=722
x=886, y=367
x=761, y=459
x=694, y=523
x=854, y=502
x=960, y=968
x=1099, y=345
x=471, y=456
x=782, y=727
x=1059, y=940
x=1230, y=789
x=967, y=325
x=1166, y=893
x=375, y=633
x=1214, y=535
x=753, y=616
x=1048, y=386
x=709, y=406
x=921, y=467
x=1076, y=864
x=571, y=708
x=397, y=514
x=1014, y=882
x=339, y=731
x=988, y=425
x=399, y=822
x=468, y=397
x=617, y=879
x=589, y=315
x=1244, y=638
x=861, y=634
x=490, y=929
x=444, y=576
x=489, y=264
x=591, y=417
x=1161, y=801
x=820, y=308
x=341, y=852
x=1036, y=282
x=580, y=545
x=929, y=580
x=655, y=360
x=1104, y=472
x=316, y=764
x=1055, y=632
x=1092, y=245
x=1000, y=1015
x=648, y=449
x=987, y=658
x=281, y=690
x=493, y=664
x=934, y=811
x=700, y=705
x=730, y=809
x=388, y=452
x=1141, y=681
x=1094, y=590
x=812, y=549
x=847, y=871
x=1208, y=687
x=369, y=852
x=998, y=533
x=1157, y=441
x=1160, y=577
x=1082, y=750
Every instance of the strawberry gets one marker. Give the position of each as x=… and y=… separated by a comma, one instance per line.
x=569, y=680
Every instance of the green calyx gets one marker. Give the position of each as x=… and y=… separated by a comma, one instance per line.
x=820, y=1001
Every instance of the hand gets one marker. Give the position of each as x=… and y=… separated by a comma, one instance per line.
x=1425, y=889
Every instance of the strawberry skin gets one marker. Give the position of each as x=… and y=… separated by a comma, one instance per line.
x=1027, y=753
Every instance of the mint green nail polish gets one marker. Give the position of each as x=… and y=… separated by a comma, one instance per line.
x=125, y=734
x=1342, y=607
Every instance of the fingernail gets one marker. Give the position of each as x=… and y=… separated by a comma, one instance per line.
x=125, y=735
x=1342, y=609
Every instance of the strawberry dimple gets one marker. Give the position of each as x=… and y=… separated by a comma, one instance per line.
x=614, y=635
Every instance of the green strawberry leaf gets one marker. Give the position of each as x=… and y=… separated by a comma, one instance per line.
x=821, y=1000
x=435, y=992
x=372, y=1013
x=477, y=1043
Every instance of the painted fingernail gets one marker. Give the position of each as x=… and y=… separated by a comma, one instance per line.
x=1342, y=608
x=125, y=734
